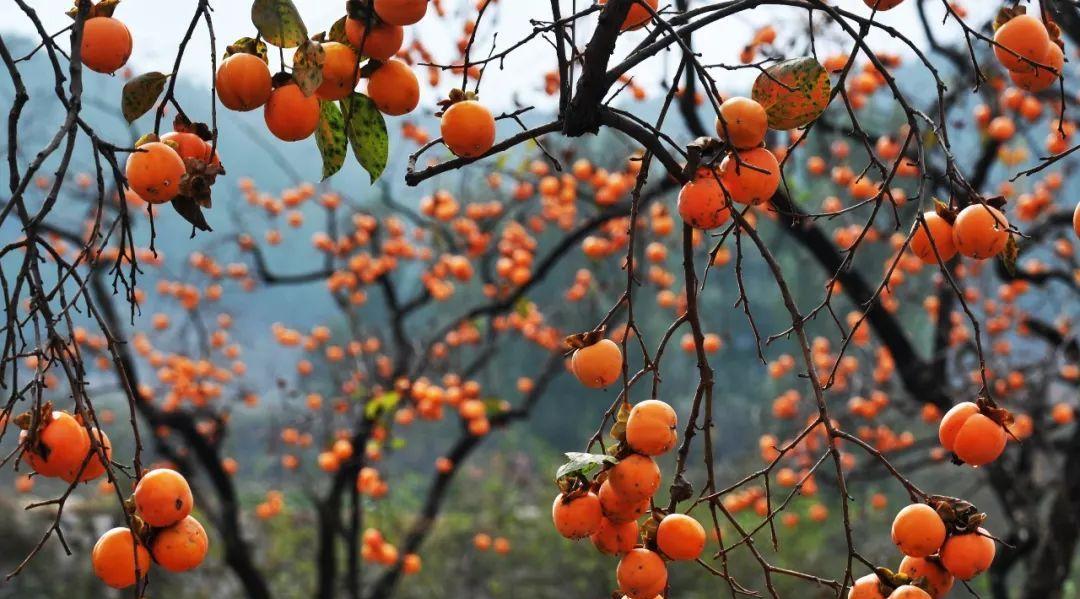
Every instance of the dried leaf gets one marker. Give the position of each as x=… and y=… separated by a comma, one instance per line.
x=307, y=66
x=793, y=92
x=192, y=213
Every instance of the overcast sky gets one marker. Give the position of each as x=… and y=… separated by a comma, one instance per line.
x=158, y=26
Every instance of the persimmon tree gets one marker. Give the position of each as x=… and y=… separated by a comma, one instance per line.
x=910, y=179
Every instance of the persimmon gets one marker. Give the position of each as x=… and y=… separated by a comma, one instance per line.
x=116, y=557
x=641, y=574
x=1040, y=78
x=154, y=171
x=401, y=12
x=918, y=530
x=866, y=587
x=615, y=538
x=908, y=591
x=381, y=42
x=1076, y=220
x=617, y=508
x=940, y=232
x=936, y=578
x=752, y=178
x=680, y=537
x=578, y=516
x=163, y=497
x=106, y=44
x=95, y=467
x=701, y=202
x=968, y=555
x=882, y=5
x=650, y=430
x=1022, y=37
x=745, y=120
x=61, y=446
x=635, y=477
x=980, y=231
x=180, y=547
x=953, y=420
x=597, y=365
x=638, y=16
x=243, y=82
x=290, y=115
x=394, y=88
x=339, y=72
x=468, y=129
x=188, y=145
x=980, y=440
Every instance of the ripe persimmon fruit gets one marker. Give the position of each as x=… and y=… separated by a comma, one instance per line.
x=401, y=12
x=188, y=145
x=1022, y=37
x=597, y=365
x=753, y=178
x=918, y=530
x=1039, y=78
x=339, y=71
x=576, y=517
x=635, y=477
x=615, y=538
x=154, y=172
x=180, y=547
x=163, y=497
x=641, y=574
x=61, y=446
x=936, y=578
x=940, y=231
x=882, y=5
x=117, y=555
x=637, y=17
x=701, y=202
x=650, y=430
x=680, y=537
x=394, y=88
x=980, y=440
x=980, y=231
x=468, y=129
x=106, y=44
x=908, y=591
x=381, y=42
x=866, y=587
x=95, y=467
x=290, y=115
x=745, y=121
x=617, y=508
x=966, y=556
x=243, y=82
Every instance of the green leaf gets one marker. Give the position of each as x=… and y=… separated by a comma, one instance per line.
x=366, y=129
x=380, y=404
x=307, y=66
x=141, y=93
x=278, y=22
x=793, y=92
x=330, y=137
x=582, y=464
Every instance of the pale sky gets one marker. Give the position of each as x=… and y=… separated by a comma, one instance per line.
x=158, y=25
